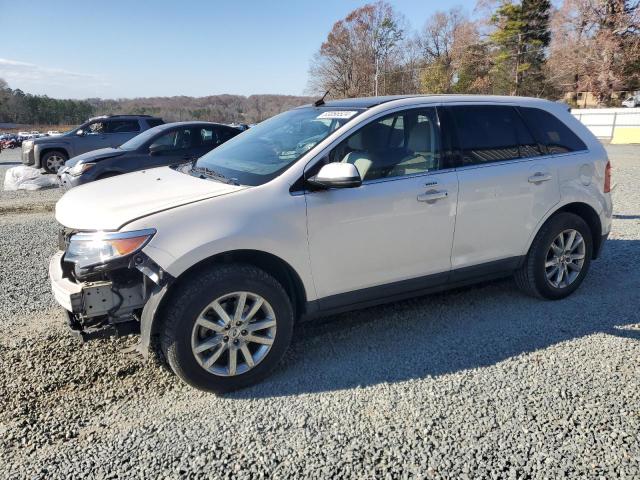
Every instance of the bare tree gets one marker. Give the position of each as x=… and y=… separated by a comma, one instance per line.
x=356, y=51
x=594, y=47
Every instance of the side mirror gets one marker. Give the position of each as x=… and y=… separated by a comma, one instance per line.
x=80, y=133
x=337, y=175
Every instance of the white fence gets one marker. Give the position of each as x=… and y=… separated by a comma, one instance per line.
x=612, y=124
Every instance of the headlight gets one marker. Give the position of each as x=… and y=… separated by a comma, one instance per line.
x=79, y=168
x=91, y=249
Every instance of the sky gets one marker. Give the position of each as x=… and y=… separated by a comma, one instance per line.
x=142, y=48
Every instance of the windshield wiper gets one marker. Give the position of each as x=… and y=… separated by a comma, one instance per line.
x=207, y=172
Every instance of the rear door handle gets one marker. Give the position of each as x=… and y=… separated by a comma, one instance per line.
x=431, y=196
x=539, y=177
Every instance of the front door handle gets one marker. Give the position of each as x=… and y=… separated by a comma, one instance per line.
x=539, y=177
x=431, y=196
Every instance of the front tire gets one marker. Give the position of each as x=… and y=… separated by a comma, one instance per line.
x=227, y=328
x=558, y=259
x=53, y=161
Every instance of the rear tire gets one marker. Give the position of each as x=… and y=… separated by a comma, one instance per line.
x=53, y=161
x=559, y=258
x=212, y=354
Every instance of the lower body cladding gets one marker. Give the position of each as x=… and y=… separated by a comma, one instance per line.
x=105, y=306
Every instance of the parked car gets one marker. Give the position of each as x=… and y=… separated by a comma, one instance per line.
x=397, y=197
x=11, y=141
x=632, y=101
x=51, y=153
x=168, y=144
x=53, y=133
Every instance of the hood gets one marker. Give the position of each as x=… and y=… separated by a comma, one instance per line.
x=51, y=139
x=95, y=155
x=113, y=202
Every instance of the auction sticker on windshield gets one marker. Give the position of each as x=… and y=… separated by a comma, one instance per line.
x=337, y=114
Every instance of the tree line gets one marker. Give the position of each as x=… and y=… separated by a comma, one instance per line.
x=24, y=108
x=510, y=47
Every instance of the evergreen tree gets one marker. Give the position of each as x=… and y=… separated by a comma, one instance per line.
x=520, y=39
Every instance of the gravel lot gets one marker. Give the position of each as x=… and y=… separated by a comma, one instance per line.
x=475, y=383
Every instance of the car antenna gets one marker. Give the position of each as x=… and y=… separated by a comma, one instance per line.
x=320, y=102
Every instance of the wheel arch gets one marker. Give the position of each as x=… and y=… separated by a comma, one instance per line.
x=588, y=214
x=48, y=149
x=152, y=315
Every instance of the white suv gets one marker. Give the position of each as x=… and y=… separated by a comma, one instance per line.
x=326, y=208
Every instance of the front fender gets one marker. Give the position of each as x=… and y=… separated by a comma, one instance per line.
x=38, y=150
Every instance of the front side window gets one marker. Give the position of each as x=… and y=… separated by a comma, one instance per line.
x=403, y=143
x=492, y=133
x=553, y=133
x=173, y=140
x=263, y=152
x=96, y=128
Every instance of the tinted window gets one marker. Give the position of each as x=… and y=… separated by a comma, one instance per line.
x=123, y=126
x=173, y=140
x=491, y=133
x=225, y=134
x=403, y=143
x=154, y=122
x=204, y=136
x=551, y=131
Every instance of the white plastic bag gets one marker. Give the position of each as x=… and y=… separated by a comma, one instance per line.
x=27, y=178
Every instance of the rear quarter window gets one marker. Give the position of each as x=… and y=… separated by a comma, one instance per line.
x=551, y=131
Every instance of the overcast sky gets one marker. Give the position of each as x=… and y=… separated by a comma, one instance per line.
x=116, y=48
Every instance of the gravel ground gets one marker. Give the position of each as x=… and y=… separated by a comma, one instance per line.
x=475, y=383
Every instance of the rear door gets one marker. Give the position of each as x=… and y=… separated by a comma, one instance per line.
x=121, y=130
x=506, y=185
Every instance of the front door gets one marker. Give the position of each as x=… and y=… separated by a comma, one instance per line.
x=396, y=229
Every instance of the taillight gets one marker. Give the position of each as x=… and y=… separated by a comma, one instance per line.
x=607, y=178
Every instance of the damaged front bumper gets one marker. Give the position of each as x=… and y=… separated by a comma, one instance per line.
x=103, y=306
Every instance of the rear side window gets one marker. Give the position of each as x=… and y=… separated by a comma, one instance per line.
x=552, y=132
x=225, y=134
x=154, y=122
x=204, y=136
x=492, y=133
x=123, y=126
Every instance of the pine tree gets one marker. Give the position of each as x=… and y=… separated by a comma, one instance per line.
x=520, y=39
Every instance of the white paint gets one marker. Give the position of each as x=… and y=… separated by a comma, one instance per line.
x=603, y=121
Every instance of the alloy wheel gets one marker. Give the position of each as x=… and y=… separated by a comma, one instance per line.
x=565, y=258
x=55, y=163
x=233, y=334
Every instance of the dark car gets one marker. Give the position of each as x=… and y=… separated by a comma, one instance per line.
x=168, y=144
x=52, y=152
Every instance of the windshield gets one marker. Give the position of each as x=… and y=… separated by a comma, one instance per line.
x=263, y=152
x=139, y=140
